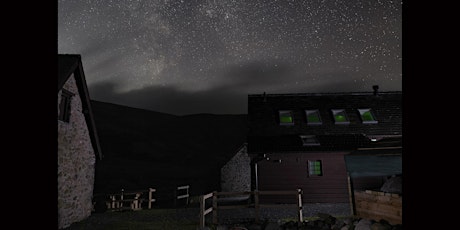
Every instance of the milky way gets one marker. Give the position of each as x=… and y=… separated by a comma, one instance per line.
x=183, y=57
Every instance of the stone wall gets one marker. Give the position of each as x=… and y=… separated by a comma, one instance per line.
x=76, y=162
x=236, y=174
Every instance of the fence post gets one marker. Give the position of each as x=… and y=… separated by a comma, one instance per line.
x=188, y=195
x=351, y=194
x=256, y=205
x=202, y=209
x=150, y=198
x=214, y=207
x=121, y=198
x=300, y=213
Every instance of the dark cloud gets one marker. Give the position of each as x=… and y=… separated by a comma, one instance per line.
x=173, y=101
x=229, y=99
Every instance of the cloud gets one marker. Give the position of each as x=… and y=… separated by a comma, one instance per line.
x=173, y=101
x=226, y=99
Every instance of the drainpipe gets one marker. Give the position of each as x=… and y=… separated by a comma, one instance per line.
x=257, y=177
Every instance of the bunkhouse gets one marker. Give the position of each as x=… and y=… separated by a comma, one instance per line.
x=78, y=144
x=306, y=140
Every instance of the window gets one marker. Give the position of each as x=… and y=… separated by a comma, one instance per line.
x=314, y=168
x=309, y=140
x=286, y=117
x=367, y=117
x=340, y=117
x=313, y=117
x=64, y=106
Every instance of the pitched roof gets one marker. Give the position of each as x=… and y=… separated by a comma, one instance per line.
x=266, y=134
x=68, y=64
x=263, y=113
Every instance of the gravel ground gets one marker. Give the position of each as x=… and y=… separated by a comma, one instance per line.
x=270, y=214
x=187, y=218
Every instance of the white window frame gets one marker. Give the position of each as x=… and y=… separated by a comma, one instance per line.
x=312, y=111
x=280, y=112
x=362, y=111
x=336, y=111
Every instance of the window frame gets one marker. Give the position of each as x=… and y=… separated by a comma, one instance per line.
x=65, y=106
x=313, y=111
x=312, y=172
x=335, y=112
x=368, y=110
x=281, y=112
x=309, y=137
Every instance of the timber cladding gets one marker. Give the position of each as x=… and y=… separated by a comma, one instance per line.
x=289, y=171
x=379, y=205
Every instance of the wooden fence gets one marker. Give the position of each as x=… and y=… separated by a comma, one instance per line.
x=379, y=205
x=181, y=192
x=135, y=200
x=256, y=205
x=130, y=200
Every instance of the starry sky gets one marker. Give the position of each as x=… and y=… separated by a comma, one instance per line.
x=205, y=56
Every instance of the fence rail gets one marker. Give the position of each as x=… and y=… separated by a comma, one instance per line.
x=179, y=194
x=131, y=200
x=256, y=205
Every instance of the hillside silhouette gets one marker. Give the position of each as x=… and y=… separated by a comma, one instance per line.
x=143, y=148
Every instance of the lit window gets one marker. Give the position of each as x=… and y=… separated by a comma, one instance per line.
x=313, y=117
x=340, y=117
x=286, y=117
x=309, y=140
x=367, y=117
x=314, y=168
x=64, y=106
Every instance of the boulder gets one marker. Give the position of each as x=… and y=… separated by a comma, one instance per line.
x=392, y=185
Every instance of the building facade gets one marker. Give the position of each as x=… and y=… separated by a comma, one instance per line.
x=302, y=140
x=78, y=147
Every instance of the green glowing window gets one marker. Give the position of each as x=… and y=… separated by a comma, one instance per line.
x=367, y=117
x=340, y=117
x=313, y=117
x=315, y=168
x=286, y=117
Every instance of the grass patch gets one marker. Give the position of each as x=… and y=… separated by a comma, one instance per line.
x=153, y=219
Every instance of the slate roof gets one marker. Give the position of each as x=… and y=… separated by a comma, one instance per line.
x=68, y=64
x=266, y=134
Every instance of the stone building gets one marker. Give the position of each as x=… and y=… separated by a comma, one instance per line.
x=78, y=145
x=315, y=141
x=236, y=174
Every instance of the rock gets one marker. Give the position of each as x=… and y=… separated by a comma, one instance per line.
x=272, y=226
x=204, y=228
x=364, y=224
x=238, y=228
x=380, y=226
x=222, y=227
x=338, y=224
x=393, y=185
x=346, y=227
x=291, y=225
x=328, y=219
x=255, y=227
x=348, y=221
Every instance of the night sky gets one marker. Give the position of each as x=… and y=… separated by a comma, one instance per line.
x=190, y=56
